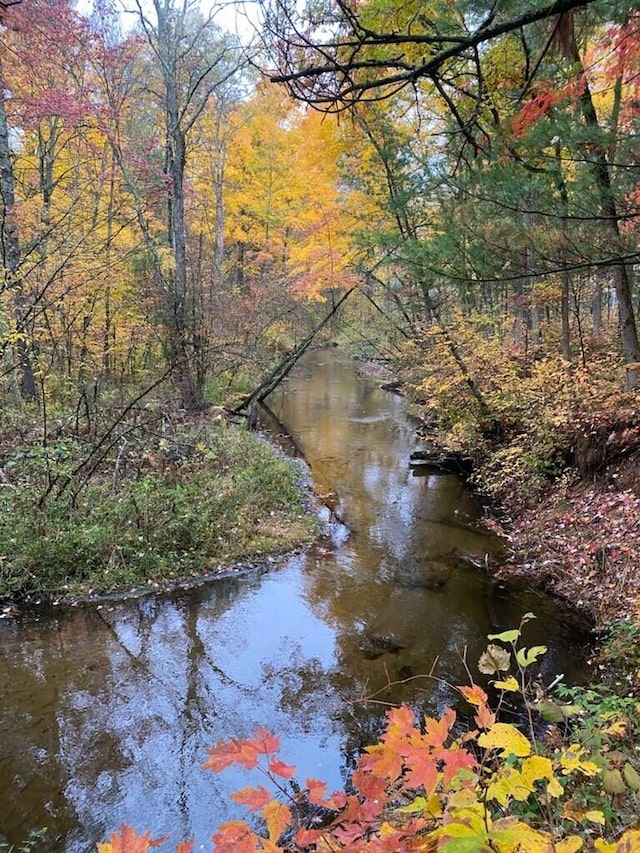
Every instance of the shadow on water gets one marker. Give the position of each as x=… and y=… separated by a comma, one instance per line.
x=107, y=710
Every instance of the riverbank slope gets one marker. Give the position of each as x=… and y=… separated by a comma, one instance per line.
x=559, y=475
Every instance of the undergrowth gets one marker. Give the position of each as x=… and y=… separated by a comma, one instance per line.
x=162, y=504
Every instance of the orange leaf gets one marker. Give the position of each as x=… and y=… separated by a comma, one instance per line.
x=474, y=694
x=278, y=818
x=185, y=847
x=485, y=718
x=281, y=769
x=253, y=798
x=316, y=790
x=226, y=753
x=437, y=731
x=128, y=841
x=401, y=722
x=235, y=837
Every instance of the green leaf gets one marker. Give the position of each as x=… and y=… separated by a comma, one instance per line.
x=526, y=657
x=420, y=804
x=631, y=777
x=505, y=636
x=549, y=711
x=466, y=840
x=612, y=782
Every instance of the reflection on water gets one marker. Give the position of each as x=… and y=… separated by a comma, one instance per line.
x=107, y=712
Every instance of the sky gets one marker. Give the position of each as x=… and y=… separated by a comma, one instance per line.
x=231, y=16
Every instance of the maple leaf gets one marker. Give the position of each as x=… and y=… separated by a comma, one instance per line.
x=316, y=791
x=423, y=771
x=235, y=837
x=278, y=818
x=383, y=759
x=485, y=718
x=128, y=841
x=437, y=731
x=455, y=759
x=253, y=798
x=281, y=769
x=227, y=753
x=307, y=837
x=370, y=785
x=474, y=694
x=265, y=742
x=401, y=722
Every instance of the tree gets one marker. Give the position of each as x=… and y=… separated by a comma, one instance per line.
x=482, y=79
x=12, y=260
x=192, y=61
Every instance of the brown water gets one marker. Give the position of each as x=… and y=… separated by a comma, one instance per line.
x=107, y=710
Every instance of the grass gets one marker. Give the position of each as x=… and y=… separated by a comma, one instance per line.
x=159, y=508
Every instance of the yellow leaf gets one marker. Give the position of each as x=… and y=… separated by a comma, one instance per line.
x=569, y=845
x=513, y=836
x=629, y=842
x=571, y=760
x=510, y=684
x=506, y=738
x=554, y=788
x=595, y=816
x=604, y=846
x=278, y=818
x=510, y=783
x=386, y=829
x=617, y=729
x=536, y=767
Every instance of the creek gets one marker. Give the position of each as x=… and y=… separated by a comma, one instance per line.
x=107, y=709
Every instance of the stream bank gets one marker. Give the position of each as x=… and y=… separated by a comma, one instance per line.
x=577, y=537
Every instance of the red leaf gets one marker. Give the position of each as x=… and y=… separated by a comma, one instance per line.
x=281, y=769
x=265, y=742
x=317, y=791
x=253, y=798
x=235, y=837
x=307, y=837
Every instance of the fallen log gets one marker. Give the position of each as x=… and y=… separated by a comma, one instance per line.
x=441, y=462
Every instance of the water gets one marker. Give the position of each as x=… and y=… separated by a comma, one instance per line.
x=107, y=711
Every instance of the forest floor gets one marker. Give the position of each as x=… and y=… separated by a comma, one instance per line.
x=581, y=542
